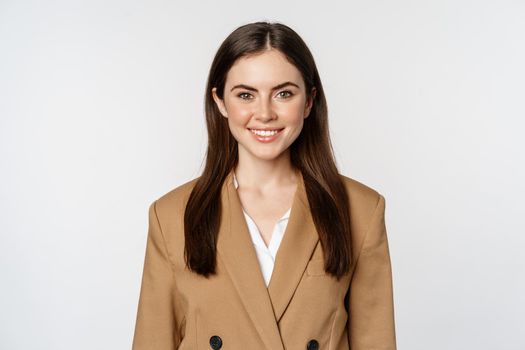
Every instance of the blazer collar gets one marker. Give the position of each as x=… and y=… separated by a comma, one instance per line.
x=235, y=248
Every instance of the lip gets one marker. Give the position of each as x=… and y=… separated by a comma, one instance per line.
x=266, y=139
x=266, y=129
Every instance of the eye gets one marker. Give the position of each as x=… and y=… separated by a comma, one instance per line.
x=286, y=93
x=243, y=95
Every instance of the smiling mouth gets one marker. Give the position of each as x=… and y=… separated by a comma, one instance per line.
x=265, y=132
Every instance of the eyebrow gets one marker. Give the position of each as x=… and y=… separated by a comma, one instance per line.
x=243, y=86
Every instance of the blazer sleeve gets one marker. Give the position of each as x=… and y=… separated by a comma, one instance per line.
x=156, y=322
x=371, y=305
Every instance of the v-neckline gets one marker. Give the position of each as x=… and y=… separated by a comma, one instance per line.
x=259, y=238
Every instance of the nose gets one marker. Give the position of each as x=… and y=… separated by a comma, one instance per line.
x=265, y=110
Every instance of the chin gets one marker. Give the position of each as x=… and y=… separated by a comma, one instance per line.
x=271, y=155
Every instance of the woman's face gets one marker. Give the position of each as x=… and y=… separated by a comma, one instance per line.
x=264, y=92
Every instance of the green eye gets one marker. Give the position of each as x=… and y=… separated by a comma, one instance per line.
x=287, y=93
x=242, y=94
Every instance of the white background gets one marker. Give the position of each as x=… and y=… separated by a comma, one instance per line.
x=101, y=112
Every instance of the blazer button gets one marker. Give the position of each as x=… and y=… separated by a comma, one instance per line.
x=312, y=345
x=215, y=342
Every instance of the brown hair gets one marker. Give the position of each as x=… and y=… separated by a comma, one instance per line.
x=311, y=153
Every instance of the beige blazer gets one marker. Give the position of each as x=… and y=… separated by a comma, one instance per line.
x=302, y=308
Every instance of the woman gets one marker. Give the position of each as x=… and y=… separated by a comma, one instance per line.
x=270, y=248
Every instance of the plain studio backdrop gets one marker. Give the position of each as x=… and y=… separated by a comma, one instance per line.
x=101, y=112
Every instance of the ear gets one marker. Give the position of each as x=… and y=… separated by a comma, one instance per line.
x=310, y=102
x=219, y=102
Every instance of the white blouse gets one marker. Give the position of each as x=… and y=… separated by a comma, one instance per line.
x=266, y=254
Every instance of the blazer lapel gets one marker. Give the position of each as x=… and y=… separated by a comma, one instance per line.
x=298, y=244
x=235, y=248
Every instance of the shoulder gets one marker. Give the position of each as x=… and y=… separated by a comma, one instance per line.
x=174, y=201
x=364, y=202
x=360, y=193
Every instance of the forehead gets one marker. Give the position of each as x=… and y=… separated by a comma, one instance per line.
x=263, y=70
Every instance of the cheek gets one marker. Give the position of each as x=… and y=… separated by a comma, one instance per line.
x=239, y=113
x=292, y=111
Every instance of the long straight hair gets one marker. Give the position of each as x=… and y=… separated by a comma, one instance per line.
x=311, y=153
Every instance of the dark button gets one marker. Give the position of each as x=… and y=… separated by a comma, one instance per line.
x=215, y=342
x=312, y=345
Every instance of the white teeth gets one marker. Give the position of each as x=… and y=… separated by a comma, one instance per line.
x=264, y=132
